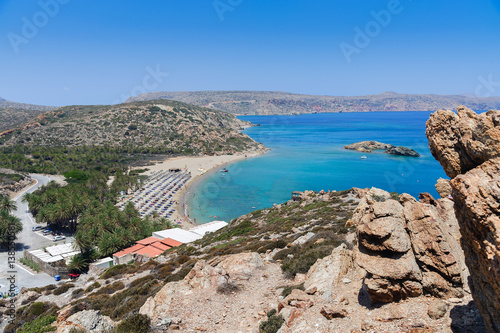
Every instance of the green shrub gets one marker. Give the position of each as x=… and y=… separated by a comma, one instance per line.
x=272, y=324
x=77, y=292
x=30, y=263
x=39, y=325
x=62, y=289
x=378, y=198
x=111, y=288
x=50, y=287
x=303, y=257
x=36, y=308
x=118, y=270
x=92, y=287
x=33, y=318
x=395, y=196
x=137, y=323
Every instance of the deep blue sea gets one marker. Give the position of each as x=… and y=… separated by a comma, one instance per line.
x=306, y=153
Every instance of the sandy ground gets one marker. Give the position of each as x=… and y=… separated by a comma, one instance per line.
x=193, y=164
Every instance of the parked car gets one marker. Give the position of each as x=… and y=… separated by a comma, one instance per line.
x=58, y=238
x=46, y=232
x=38, y=227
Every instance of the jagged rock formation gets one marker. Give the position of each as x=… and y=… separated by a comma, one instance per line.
x=370, y=146
x=407, y=247
x=468, y=147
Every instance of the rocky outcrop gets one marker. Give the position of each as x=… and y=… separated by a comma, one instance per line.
x=407, y=247
x=206, y=276
x=88, y=320
x=464, y=140
x=468, y=147
x=402, y=151
x=328, y=272
x=443, y=187
x=369, y=146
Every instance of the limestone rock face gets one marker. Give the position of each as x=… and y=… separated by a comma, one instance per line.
x=89, y=320
x=468, y=147
x=407, y=247
x=329, y=271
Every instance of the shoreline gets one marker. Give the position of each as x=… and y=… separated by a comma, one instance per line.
x=207, y=165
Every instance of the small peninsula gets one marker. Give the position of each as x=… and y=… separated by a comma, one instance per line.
x=370, y=146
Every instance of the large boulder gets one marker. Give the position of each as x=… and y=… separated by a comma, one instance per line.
x=88, y=320
x=443, y=187
x=468, y=147
x=407, y=247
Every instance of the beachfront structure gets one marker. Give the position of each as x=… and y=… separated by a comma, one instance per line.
x=151, y=246
x=191, y=235
x=103, y=263
x=53, y=259
x=180, y=235
x=208, y=227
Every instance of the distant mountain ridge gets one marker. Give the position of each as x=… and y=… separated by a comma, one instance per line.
x=13, y=114
x=274, y=102
x=15, y=105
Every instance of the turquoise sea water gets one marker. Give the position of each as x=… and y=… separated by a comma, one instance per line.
x=307, y=154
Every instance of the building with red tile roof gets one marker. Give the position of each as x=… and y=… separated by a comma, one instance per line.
x=126, y=255
x=161, y=246
x=150, y=251
x=148, y=241
x=170, y=242
x=150, y=246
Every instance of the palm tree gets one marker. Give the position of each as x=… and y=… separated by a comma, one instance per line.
x=78, y=263
x=10, y=226
x=7, y=204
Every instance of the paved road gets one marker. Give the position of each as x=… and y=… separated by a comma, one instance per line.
x=28, y=240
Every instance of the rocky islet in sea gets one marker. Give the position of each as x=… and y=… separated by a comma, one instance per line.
x=370, y=146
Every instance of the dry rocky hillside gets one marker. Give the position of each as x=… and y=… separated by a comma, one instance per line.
x=12, y=181
x=273, y=102
x=351, y=261
x=13, y=114
x=158, y=126
x=468, y=147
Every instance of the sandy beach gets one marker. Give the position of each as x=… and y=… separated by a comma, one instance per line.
x=198, y=166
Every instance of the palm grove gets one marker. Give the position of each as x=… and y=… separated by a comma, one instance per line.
x=86, y=206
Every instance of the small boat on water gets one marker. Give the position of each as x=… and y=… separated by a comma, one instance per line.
x=363, y=157
x=224, y=170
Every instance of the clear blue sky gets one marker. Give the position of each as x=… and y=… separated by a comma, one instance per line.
x=94, y=52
